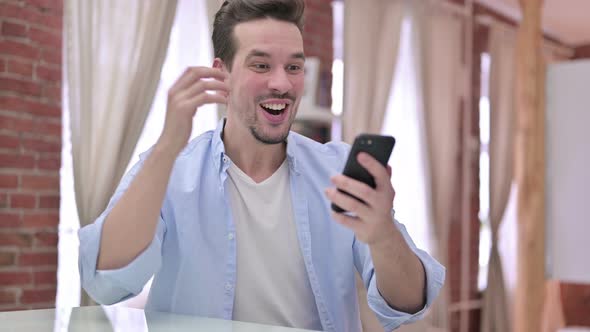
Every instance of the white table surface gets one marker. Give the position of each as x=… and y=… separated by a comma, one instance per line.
x=117, y=318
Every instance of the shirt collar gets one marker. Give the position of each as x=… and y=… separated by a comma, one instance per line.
x=219, y=149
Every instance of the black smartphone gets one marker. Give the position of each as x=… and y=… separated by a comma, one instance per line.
x=379, y=147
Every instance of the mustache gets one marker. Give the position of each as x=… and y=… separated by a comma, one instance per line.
x=285, y=95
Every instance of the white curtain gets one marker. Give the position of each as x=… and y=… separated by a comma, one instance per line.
x=439, y=40
x=371, y=37
x=410, y=175
x=190, y=45
x=114, y=54
x=502, y=43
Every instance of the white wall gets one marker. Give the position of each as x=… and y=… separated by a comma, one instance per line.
x=568, y=171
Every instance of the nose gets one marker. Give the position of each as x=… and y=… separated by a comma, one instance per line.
x=279, y=81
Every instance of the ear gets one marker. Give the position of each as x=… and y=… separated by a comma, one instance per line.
x=218, y=63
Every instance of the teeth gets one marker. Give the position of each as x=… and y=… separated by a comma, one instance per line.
x=275, y=107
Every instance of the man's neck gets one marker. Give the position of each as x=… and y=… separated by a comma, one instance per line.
x=258, y=160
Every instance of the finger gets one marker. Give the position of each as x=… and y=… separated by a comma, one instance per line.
x=348, y=203
x=355, y=188
x=353, y=223
x=205, y=98
x=193, y=74
x=202, y=86
x=378, y=171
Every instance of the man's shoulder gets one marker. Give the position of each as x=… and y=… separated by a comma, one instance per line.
x=197, y=145
x=332, y=151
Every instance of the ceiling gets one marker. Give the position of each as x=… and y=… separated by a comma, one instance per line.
x=568, y=21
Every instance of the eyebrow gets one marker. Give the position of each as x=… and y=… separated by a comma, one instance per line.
x=258, y=53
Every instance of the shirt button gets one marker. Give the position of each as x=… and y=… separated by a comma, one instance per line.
x=225, y=159
x=230, y=236
x=228, y=287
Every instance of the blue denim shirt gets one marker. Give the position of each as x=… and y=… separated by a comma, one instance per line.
x=193, y=253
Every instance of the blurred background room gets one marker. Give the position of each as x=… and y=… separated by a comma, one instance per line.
x=488, y=100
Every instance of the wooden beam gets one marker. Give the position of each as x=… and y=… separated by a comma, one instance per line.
x=530, y=170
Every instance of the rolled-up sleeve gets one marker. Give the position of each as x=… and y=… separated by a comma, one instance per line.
x=112, y=286
x=389, y=317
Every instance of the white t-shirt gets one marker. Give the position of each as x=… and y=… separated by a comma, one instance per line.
x=272, y=285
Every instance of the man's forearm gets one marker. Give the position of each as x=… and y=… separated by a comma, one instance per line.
x=401, y=278
x=131, y=225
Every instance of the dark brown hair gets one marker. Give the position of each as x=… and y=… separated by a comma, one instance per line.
x=233, y=12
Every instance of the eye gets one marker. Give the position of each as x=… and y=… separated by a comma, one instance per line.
x=295, y=68
x=260, y=67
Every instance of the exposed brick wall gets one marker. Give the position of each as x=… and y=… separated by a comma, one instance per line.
x=30, y=145
x=318, y=42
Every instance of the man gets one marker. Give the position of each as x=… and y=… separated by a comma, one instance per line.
x=237, y=224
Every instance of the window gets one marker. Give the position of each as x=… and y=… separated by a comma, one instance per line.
x=403, y=120
x=485, y=235
x=337, y=70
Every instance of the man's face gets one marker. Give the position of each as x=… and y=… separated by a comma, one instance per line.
x=266, y=79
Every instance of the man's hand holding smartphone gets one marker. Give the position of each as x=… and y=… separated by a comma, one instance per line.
x=365, y=190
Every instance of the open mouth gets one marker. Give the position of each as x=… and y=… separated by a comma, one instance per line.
x=274, y=109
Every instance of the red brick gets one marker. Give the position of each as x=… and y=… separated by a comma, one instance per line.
x=20, y=12
x=31, y=14
x=52, y=56
x=24, y=201
x=46, y=239
x=48, y=128
x=9, y=142
x=3, y=202
x=17, y=124
x=49, y=202
x=41, y=145
x=19, y=49
x=40, y=219
x=46, y=38
x=40, y=182
x=20, y=68
x=15, y=278
x=47, y=110
x=44, y=4
x=30, y=296
x=48, y=74
x=8, y=181
x=9, y=220
x=38, y=259
x=51, y=21
x=52, y=93
x=49, y=163
x=16, y=160
x=20, y=86
x=13, y=29
x=32, y=107
x=41, y=278
x=21, y=240
x=7, y=259
x=8, y=296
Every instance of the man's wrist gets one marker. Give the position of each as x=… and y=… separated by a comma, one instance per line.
x=388, y=239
